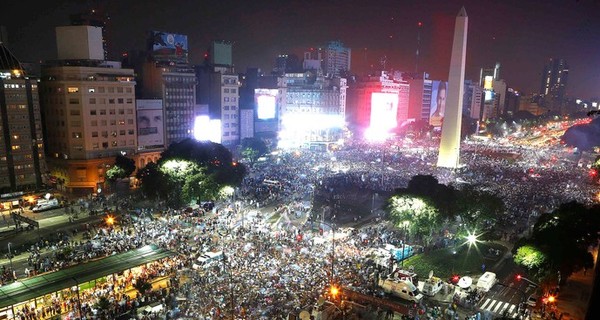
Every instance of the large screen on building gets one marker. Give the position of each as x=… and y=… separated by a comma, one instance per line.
x=438, y=102
x=384, y=111
x=266, y=103
x=169, y=46
x=150, y=125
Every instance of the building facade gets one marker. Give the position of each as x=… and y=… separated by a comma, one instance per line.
x=22, y=160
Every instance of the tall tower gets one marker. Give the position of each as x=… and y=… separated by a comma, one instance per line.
x=449, y=152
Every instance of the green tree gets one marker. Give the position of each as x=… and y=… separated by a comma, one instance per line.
x=123, y=168
x=423, y=218
x=530, y=257
x=477, y=209
x=153, y=182
x=252, y=149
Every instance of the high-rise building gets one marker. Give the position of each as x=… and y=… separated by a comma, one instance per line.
x=218, y=87
x=555, y=78
x=336, y=59
x=166, y=75
x=89, y=112
x=96, y=17
x=473, y=100
x=22, y=160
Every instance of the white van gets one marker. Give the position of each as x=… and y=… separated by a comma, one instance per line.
x=486, y=281
x=206, y=259
x=402, y=289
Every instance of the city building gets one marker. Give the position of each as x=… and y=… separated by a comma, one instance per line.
x=336, y=59
x=88, y=106
x=377, y=105
x=419, y=101
x=96, y=17
x=473, y=100
x=22, y=160
x=555, y=78
x=310, y=109
x=218, y=87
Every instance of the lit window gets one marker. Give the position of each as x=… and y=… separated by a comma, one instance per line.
x=72, y=89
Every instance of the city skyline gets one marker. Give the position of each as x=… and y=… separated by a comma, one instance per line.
x=521, y=36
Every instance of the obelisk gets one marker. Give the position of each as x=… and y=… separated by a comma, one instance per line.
x=449, y=152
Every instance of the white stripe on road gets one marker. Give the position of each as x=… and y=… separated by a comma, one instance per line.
x=504, y=308
x=512, y=307
x=485, y=304
x=498, y=306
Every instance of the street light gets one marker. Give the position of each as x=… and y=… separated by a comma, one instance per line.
x=405, y=224
x=10, y=256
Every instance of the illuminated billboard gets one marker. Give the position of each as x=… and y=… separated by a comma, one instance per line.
x=384, y=111
x=266, y=103
x=150, y=125
x=169, y=47
x=438, y=102
x=206, y=129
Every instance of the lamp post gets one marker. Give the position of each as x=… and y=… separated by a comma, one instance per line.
x=405, y=224
x=10, y=257
x=78, y=297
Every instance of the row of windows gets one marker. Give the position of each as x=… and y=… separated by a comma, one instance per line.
x=229, y=108
x=232, y=90
x=113, y=133
x=103, y=101
x=113, y=122
x=93, y=89
x=228, y=99
x=94, y=112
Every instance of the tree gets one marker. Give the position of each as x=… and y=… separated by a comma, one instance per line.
x=423, y=217
x=253, y=148
x=530, y=257
x=191, y=170
x=477, y=209
x=122, y=168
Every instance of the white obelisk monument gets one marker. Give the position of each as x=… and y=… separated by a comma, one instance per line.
x=449, y=152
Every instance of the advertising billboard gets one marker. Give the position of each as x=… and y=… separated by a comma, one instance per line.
x=206, y=129
x=169, y=47
x=150, y=125
x=384, y=111
x=266, y=103
x=438, y=102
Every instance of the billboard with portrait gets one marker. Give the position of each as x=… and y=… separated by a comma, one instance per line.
x=438, y=102
x=150, y=125
x=266, y=103
x=169, y=47
x=384, y=110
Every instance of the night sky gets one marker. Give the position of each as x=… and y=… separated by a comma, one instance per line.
x=520, y=34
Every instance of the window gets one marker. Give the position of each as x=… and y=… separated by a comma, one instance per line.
x=113, y=122
x=94, y=134
x=129, y=111
x=120, y=90
x=129, y=100
x=91, y=90
x=72, y=90
x=16, y=147
x=226, y=107
x=92, y=100
x=111, y=111
x=233, y=90
x=101, y=89
x=105, y=134
x=74, y=112
x=130, y=132
x=226, y=99
x=92, y=112
x=121, y=111
x=103, y=123
x=111, y=90
x=114, y=143
x=104, y=145
x=111, y=101
x=94, y=123
x=121, y=132
x=73, y=101
x=76, y=135
x=226, y=90
x=102, y=111
x=120, y=100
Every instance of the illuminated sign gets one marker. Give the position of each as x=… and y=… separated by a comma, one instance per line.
x=266, y=103
x=206, y=129
x=384, y=111
x=169, y=47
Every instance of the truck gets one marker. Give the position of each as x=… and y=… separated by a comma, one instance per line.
x=46, y=205
x=486, y=281
x=403, y=289
x=432, y=286
x=401, y=252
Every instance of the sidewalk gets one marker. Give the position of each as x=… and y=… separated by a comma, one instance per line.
x=574, y=297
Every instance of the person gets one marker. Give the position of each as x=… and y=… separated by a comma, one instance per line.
x=438, y=113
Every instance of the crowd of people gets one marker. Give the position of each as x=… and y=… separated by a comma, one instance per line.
x=270, y=270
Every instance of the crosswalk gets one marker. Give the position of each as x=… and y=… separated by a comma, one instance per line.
x=499, y=307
